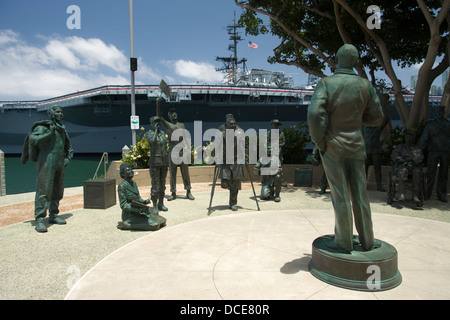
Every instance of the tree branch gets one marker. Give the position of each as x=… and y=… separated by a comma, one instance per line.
x=288, y=31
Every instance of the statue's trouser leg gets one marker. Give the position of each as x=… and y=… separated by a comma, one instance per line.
x=154, y=190
x=433, y=159
x=347, y=184
x=234, y=189
x=432, y=162
x=173, y=176
x=417, y=180
x=162, y=186
x=45, y=186
x=265, y=192
x=185, y=175
x=377, y=162
x=441, y=188
x=323, y=182
x=57, y=193
x=278, y=181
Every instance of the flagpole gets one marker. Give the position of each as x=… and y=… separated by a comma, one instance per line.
x=133, y=103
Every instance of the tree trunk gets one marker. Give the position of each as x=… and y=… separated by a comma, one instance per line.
x=426, y=76
x=446, y=99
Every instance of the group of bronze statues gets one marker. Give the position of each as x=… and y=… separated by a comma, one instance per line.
x=341, y=106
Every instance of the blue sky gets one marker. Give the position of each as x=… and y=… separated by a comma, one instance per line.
x=174, y=40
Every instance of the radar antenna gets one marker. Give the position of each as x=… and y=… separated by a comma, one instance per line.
x=230, y=64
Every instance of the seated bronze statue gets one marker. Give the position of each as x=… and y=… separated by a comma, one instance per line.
x=408, y=162
x=270, y=183
x=136, y=215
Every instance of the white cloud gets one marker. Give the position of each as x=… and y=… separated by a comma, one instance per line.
x=196, y=71
x=58, y=67
x=8, y=36
x=145, y=74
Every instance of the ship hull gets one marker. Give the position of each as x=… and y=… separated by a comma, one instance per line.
x=101, y=122
x=98, y=120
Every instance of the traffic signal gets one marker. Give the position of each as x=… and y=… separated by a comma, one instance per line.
x=133, y=64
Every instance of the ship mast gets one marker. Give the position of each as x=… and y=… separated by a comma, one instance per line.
x=232, y=62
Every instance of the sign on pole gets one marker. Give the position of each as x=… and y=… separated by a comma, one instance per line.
x=134, y=121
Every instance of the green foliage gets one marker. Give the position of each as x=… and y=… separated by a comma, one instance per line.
x=139, y=153
x=297, y=137
x=315, y=22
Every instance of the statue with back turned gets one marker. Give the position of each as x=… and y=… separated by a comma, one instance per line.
x=340, y=106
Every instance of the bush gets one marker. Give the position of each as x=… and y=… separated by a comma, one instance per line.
x=297, y=138
x=139, y=153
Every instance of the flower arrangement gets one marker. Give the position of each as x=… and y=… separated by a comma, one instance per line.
x=139, y=153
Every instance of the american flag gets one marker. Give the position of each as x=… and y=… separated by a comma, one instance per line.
x=252, y=45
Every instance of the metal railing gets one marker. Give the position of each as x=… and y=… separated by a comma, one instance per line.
x=103, y=159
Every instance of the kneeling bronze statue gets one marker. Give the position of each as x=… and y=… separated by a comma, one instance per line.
x=136, y=215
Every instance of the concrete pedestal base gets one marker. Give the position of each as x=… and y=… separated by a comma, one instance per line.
x=374, y=270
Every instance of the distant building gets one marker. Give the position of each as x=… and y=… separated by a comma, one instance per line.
x=413, y=82
x=435, y=90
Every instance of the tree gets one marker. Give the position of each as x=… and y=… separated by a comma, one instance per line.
x=312, y=31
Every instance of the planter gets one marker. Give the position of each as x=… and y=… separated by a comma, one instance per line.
x=206, y=173
x=99, y=193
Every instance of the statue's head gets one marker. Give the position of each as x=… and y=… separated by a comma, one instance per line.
x=126, y=171
x=172, y=114
x=229, y=116
x=275, y=123
x=154, y=122
x=55, y=113
x=347, y=57
x=231, y=123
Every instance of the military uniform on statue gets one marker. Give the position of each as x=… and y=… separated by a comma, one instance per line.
x=231, y=174
x=49, y=146
x=340, y=106
x=170, y=128
x=436, y=139
x=158, y=164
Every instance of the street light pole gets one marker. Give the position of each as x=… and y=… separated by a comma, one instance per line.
x=133, y=68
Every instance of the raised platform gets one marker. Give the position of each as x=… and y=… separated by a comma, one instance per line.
x=374, y=270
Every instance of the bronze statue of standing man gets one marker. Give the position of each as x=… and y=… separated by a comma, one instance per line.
x=170, y=128
x=158, y=163
x=436, y=139
x=231, y=173
x=49, y=146
x=341, y=105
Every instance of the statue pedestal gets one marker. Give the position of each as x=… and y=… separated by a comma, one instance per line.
x=375, y=270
